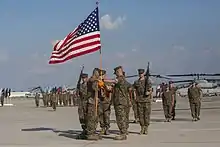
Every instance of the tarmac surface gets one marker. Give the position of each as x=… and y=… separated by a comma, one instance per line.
x=25, y=125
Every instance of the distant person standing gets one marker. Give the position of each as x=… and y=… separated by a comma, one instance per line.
x=6, y=95
x=173, y=91
x=54, y=100
x=37, y=99
x=167, y=103
x=194, y=95
x=9, y=92
x=2, y=96
x=158, y=92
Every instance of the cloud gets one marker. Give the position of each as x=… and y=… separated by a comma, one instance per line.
x=39, y=64
x=120, y=55
x=134, y=50
x=107, y=22
x=4, y=56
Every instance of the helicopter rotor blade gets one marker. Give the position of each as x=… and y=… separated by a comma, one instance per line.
x=183, y=81
x=156, y=76
x=192, y=75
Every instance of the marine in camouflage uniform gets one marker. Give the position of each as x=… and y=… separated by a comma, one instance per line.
x=167, y=103
x=37, y=99
x=65, y=98
x=143, y=98
x=104, y=104
x=173, y=91
x=92, y=100
x=47, y=98
x=82, y=110
x=194, y=95
x=69, y=98
x=60, y=98
x=50, y=99
x=54, y=100
x=129, y=103
x=44, y=99
x=121, y=102
x=135, y=108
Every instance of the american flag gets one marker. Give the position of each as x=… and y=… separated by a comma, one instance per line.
x=82, y=40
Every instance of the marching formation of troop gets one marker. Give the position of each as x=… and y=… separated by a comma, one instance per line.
x=96, y=95
x=56, y=97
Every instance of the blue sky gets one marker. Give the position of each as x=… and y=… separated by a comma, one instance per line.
x=176, y=36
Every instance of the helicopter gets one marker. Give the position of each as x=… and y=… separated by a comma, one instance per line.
x=209, y=86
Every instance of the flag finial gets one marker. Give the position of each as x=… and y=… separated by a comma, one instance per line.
x=97, y=2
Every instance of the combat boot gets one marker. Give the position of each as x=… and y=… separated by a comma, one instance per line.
x=127, y=132
x=135, y=121
x=121, y=137
x=81, y=136
x=93, y=137
x=146, y=130
x=142, y=130
x=84, y=132
x=107, y=132
x=194, y=119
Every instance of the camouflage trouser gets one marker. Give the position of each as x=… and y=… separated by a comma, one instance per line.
x=167, y=108
x=2, y=100
x=104, y=115
x=144, y=111
x=60, y=99
x=82, y=114
x=57, y=99
x=128, y=108
x=54, y=102
x=65, y=100
x=51, y=101
x=121, y=119
x=135, y=109
x=70, y=100
x=195, y=109
x=44, y=100
x=47, y=99
x=173, y=111
x=91, y=120
x=37, y=100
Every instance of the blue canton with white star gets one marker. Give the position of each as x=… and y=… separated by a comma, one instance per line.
x=91, y=24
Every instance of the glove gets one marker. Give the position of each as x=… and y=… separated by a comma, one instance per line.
x=148, y=92
x=101, y=84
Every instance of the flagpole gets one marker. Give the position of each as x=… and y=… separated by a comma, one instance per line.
x=100, y=50
x=100, y=55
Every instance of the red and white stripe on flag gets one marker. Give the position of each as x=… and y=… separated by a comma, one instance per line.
x=83, y=40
